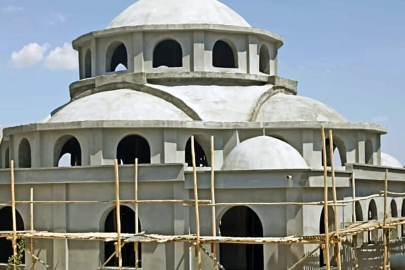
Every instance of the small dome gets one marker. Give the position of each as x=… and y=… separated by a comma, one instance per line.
x=162, y=12
x=390, y=161
x=262, y=153
x=282, y=107
x=119, y=105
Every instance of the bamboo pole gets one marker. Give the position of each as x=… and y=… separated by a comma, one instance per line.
x=14, y=241
x=386, y=231
x=32, y=228
x=136, y=215
x=303, y=259
x=325, y=194
x=118, y=214
x=331, y=146
x=213, y=209
x=197, y=213
x=354, y=218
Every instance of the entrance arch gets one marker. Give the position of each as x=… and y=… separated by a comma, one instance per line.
x=241, y=221
x=372, y=215
x=67, y=152
x=131, y=147
x=6, y=224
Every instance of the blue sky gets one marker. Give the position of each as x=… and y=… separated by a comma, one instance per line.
x=347, y=54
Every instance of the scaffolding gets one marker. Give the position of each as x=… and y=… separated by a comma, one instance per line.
x=325, y=241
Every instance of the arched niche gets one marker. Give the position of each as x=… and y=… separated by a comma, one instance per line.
x=6, y=224
x=67, y=152
x=132, y=147
x=87, y=64
x=7, y=158
x=127, y=216
x=224, y=55
x=201, y=158
x=241, y=221
x=264, y=60
x=24, y=154
x=331, y=228
x=168, y=54
x=369, y=152
x=372, y=215
x=339, y=152
x=116, y=55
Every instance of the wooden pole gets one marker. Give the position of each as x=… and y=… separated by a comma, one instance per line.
x=136, y=215
x=32, y=228
x=213, y=210
x=118, y=213
x=356, y=254
x=325, y=195
x=386, y=231
x=332, y=166
x=14, y=241
x=197, y=213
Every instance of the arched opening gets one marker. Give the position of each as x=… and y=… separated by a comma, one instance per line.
x=241, y=221
x=264, y=60
x=7, y=159
x=87, y=64
x=369, y=152
x=200, y=157
x=403, y=215
x=6, y=224
x=359, y=217
x=67, y=152
x=132, y=147
x=24, y=154
x=127, y=226
x=168, y=53
x=339, y=153
x=223, y=56
x=393, y=214
x=372, y=215
x=331, y=228
x=116, y=55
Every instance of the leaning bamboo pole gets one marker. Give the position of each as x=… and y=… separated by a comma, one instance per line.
x=386, y=230
x=196, y=208
x=32, y=228
x=14, y=241
x=213, y=209
x=136, y=215
x=325, y=194
x=336, y=209
x=118, y=213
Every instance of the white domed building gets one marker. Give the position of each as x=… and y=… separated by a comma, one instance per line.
x=162, y=71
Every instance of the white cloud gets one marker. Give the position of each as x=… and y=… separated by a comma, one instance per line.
x=29, y=55
x=12, y=8
x=62, y=58
x=56, y=17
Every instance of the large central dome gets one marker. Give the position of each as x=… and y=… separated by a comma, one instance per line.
x=162, y=12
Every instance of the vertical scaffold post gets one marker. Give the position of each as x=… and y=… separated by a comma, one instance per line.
x=336, y=209
x=136, y=215
x=118, y=213
x=14, y=241
x=32, y=228
x=213, y=210
x=386, y=230
x=196, y=208
x=325, y=198
x=356, y=254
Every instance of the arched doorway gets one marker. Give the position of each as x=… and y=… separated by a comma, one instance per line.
x=116, y=56
x=200, y=157
x=331, y=228
x=24, y=154
x=403, y=215
x=168, y=53
x=372, y=215
x=339, y=153
x=6, y=224
x=132, y=147
x=359, y=217
x=393, y=214
x=68, y=152
x=241, y=221
x=264, y=60
x=223, y=56
x=127, y=226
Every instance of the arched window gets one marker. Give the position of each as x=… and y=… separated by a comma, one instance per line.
x=339, y=153
x=24, y=154
x=67, y=152
x=168, y=53
x=7, y=159
x=403, y=215
x=87, y=64
x=241, y=221
x=264, y=60
x=369, y=152
x=331, y=228
x=127, y=226
x=6, y=224
x=372, y=215
x=223, y=56
x=132, y=147
x=116, y=55
x=200, y=157
x=394, y=214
